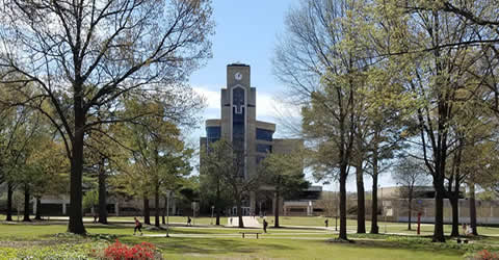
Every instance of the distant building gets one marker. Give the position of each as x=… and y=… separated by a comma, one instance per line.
x=305, y=203
x=398, y=192
x=238, y=124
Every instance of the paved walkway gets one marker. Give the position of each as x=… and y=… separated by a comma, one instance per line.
x=250, y=222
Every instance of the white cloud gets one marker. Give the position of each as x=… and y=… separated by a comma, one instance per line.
x=212, y=97
x=270, y=108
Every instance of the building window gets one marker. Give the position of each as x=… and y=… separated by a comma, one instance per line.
x=213, y=133
x=264, y=135
x=264, y=148
x=238, y=99
x=238, y=125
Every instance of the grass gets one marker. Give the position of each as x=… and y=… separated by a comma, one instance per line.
x=208, y=242
x=316, y=222
x=214, y=243
x=172, y=219
x=390, y=227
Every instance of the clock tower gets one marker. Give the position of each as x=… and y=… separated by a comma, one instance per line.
x=250, y=137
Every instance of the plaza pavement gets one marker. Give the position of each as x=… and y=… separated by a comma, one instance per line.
x=250, y=222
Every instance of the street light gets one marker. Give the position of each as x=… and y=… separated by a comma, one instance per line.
x=211, y=219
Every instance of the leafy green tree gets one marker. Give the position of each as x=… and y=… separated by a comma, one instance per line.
x=284, y=173
x=53, y=167
x=411, y=174
x=421, y=37
x=106, y=49
x=159, y=157
x=91, y=199
x=21, y=136
x=227, y=162
x=319, y=61
x=211, y=182
x=102, y=151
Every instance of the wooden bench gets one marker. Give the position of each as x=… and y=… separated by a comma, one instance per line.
x=252, y=233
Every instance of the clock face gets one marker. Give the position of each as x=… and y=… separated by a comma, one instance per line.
x=238, y=76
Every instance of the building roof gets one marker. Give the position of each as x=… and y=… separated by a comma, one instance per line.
x=238, y=65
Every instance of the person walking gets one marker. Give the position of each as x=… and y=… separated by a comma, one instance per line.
x=189, y=221
x=138, y=226
x=265, y=224
x=326, y=222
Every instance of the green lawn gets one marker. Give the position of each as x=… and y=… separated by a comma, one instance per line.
x=218, y=242
x=390, y=227
x=317, y=222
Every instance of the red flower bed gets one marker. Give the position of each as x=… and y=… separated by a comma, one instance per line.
x=119, y=251
x=486, y=255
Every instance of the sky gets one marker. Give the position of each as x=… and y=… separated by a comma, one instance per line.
x=247, y=32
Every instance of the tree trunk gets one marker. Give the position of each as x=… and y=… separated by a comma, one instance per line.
x=147, y=218
x=454, y=202
x=438, y=233
x=454, y=194
x=26, y=203
x=343, y=203
x=361, y=208
x=217, y=204
x=410, y=208
x=473, y=209
x=156, y=204
x=164, y=211
x=38, y=215
x=374, y=201
x=102, y=193
x=240, y=213
x=10, y=191
x=76, y=210
x=218, y=213
x=276, y=208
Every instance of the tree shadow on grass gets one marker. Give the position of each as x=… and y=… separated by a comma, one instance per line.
x=413, y=244
x=210, y=246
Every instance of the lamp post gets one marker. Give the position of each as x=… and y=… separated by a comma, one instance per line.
x=168, y=194
x=211, y=219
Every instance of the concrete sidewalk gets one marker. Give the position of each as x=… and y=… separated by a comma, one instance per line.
x=250, y=222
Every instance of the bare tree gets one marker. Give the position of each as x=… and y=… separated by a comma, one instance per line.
x=83, y=56
x=411, y=175
x=322, y=76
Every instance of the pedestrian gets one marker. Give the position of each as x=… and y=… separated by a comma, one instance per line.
x=265, y=224
x=326, y=222
x=230, y=219
x=138, y=226
x=189, y=221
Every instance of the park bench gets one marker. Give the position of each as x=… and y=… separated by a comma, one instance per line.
x=251, y=233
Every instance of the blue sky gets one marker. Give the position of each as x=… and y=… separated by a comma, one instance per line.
x=247, y=32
